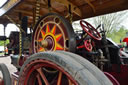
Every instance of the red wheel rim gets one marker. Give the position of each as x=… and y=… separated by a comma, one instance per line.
x=53, y=36
x=1, y=81
x=52, y=32
x=87, y=45
x=33, y=74
x=90, y=30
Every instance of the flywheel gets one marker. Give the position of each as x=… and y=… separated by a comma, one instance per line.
x=53, y=32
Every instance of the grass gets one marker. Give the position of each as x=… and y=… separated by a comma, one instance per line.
x=1, y=54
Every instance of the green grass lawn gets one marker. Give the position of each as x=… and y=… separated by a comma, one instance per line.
x=1, y=53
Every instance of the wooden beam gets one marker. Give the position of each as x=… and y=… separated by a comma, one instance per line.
x=105, y=7
x=90, y=4
x=74, y=8
x=44, y=3
x=28, y=13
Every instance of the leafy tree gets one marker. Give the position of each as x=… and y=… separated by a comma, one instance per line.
x=2, y=42
x=118, y=35
x=110, y=21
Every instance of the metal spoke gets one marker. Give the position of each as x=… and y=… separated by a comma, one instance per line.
x=39, y=79
x=43, y=76
x=59, y=78
x=70, y=83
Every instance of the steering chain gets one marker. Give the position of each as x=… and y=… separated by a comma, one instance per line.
x=37, y=11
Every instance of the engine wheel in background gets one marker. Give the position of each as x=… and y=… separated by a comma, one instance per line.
x=53, y=32
x=6, y=80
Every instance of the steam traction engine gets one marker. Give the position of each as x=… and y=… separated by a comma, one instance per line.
x=53, y=54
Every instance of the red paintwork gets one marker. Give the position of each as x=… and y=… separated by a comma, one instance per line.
x=90, y=30
x=113, y=80
x=87, y=45
x=126, y=40
x=36, y=64
x=122, y=76
x=22, y=59
x=1, y=82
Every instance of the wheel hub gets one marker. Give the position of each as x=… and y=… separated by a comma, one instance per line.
x=48, y=43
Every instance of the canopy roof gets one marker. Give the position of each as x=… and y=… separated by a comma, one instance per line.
x=80, y=9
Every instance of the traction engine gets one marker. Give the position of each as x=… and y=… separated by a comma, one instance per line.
x=53, y=54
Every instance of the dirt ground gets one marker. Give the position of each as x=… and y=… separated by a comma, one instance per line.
x=7, y=62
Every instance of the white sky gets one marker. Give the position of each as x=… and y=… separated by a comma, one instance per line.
x=2, y=2
x=125, y=23
x=9, y=28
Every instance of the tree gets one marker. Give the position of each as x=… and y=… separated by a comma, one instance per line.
x=118, y=35
x=2, y=42
x=110, y=21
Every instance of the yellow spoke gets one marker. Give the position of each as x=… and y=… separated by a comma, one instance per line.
x=47, y=29
x=53, y=30
x=58, y=37
x=59, y=47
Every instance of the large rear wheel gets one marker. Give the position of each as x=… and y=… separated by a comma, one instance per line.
x=90, y=67
x=64, y=70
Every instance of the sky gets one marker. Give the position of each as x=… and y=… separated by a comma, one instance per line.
x=9, y=28
x=125, y=23
x=2, y=2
